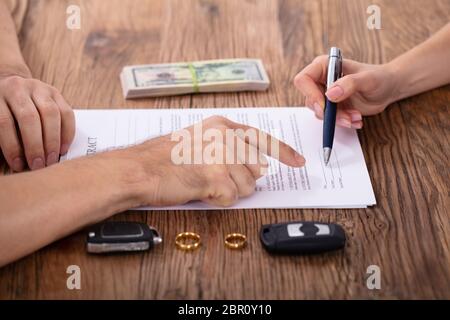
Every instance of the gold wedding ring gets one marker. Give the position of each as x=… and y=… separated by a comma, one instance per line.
x=235, y=241
x=187, y=241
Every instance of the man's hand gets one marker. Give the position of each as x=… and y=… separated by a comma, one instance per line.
x=364, y=90
x=36, y=124
x=219, y=183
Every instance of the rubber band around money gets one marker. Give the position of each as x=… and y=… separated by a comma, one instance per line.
x=194, y=78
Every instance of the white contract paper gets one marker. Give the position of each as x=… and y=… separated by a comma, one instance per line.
x=344, y=183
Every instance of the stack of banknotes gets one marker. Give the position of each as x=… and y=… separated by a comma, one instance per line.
x=155, y=80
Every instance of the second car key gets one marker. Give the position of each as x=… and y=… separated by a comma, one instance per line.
x=302, y=237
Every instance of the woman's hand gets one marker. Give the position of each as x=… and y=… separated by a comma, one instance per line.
x=214, y=180
x=36, y=123
x=364, y=90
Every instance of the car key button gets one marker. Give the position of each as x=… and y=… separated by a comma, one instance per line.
x=309, y=229
x=323, y=229
x=294, y=230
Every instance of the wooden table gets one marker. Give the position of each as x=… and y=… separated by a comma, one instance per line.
x=406, y=148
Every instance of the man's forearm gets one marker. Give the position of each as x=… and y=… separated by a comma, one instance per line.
x=425, y=67
x=11, y=60
x=37, y=208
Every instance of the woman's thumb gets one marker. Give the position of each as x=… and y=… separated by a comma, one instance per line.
x=345, y=87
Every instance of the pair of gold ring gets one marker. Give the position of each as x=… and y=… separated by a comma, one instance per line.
x=189, y=241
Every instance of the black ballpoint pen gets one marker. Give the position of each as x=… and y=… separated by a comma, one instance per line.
x=329, y=117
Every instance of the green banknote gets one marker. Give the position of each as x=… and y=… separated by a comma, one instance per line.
x=201, y=72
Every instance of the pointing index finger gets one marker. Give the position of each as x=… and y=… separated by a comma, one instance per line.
x=267, y=144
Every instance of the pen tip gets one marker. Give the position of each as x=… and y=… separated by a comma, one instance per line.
x=326, y=155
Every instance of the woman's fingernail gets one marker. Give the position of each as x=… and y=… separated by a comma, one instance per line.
x=18, y=164
x=356, y=117
x=300, y=159
x=52, y=158
x=64, y=149
x=344, y=123
x=357, y=125
x=318, y=110
x=335, y=93
x=37, y=164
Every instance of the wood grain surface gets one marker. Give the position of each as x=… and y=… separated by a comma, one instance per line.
x=406, y=148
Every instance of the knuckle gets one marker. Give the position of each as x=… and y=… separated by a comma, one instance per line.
x=11, y=151
x=6, y=121
x=27, y=116
x=229, y=195
x=35, y=83
x=48, y=108
x=216, y=120
x=52, y=144
x=219, y=171
x=52, y=90
x=55, y=92
x=34, y=150
x=15, y=82
x=67, y=113
x=17, y=97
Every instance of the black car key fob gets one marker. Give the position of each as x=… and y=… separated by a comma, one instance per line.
x=302, y=237
x=114, y=236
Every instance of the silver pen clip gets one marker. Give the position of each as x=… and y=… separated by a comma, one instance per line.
x=334, y=66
